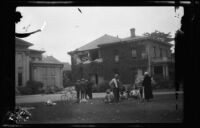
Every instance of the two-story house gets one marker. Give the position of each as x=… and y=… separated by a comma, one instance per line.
x=100, y=59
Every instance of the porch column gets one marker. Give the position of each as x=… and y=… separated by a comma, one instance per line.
x=152, y=70
x=23, y=70
x=167, y=73
x=16, y=70
x=163, y=71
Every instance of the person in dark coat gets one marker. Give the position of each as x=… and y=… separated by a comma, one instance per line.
x=147, y=87
x=89, y=89
x=83, y=89
x=77, y=87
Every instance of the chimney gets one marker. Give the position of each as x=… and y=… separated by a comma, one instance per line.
x=132, y=32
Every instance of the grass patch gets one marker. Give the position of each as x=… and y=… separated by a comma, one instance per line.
x=160, y=110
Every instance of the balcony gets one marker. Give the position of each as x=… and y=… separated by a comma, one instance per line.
x=161, y=59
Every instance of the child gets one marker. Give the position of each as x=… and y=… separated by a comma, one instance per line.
x=109, y=97
x=123, y=95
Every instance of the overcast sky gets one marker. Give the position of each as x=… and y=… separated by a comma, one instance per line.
x=67, y=29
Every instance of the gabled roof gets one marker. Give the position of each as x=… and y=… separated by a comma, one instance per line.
x=22, y=42
x=36, y=51
x=101, y=40
x=48, y=60
x=108, y=39
x=124, y=40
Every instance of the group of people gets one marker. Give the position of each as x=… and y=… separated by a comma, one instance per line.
x=83, y=88
x=115, y=85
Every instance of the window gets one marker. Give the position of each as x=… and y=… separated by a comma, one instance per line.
x=94, y=54
x=96, y=78
x=158, y=70
x=160, y=52
x=154, y=50
x=116, y=58
x=19, y=76
x=20, y=79
x=116, y=55
x=133, y=52
x=166, y=53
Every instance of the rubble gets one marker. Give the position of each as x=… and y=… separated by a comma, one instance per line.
x=19, y=115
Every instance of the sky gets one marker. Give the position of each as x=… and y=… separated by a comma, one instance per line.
x=67, y=29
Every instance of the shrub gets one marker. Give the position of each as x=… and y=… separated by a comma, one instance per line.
x=57, y=89
x=163, y=84
x=32, y=87
x=103, y=87
x=48, y=90
x=52, y=89
x=35, y=86
x=25, y=90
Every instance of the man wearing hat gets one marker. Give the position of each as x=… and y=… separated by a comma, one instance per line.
x=114, y=83
x=147, y=87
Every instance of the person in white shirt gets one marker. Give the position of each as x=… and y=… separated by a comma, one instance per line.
x=114, y=83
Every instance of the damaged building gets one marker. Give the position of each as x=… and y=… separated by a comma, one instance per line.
x=100, y=59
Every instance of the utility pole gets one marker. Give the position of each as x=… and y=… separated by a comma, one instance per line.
x=149, y=60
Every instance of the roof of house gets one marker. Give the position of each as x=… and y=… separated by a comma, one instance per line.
x=36, y=51
x=101, y=40
x=48, y=60
x=22, y=42
x=108, y=39
x=124, y=40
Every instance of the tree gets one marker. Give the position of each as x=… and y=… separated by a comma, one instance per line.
x=165, y=37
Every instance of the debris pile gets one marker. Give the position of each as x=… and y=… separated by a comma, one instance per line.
x=19, y=115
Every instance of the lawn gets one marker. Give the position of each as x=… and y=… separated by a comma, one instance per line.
x=161, y=110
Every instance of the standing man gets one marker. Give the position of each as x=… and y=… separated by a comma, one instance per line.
x=147, y=87
x=77, y=87
x=89, y=89
x=83, y=89
x=114, y=83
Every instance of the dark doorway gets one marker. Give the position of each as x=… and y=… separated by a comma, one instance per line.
x=20, y=79
x=96, y=79
x=81, y=72
x=133, y=75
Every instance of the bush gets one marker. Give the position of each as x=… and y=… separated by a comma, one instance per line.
x=101, y=87
x=32, y=87
x=25, y=90
x=35, y=86
x=163, y=84
x=51, y=89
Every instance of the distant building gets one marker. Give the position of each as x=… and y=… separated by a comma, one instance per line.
x=107, y=55
x=48, y=71
x=30, y=65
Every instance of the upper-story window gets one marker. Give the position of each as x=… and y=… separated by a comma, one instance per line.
x=167, y=54
x=133, y=53
x=161, y=52
x=94, y=54
x=116, y=55
x=154, y=51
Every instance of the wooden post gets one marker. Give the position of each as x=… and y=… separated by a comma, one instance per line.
x=149, y=60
